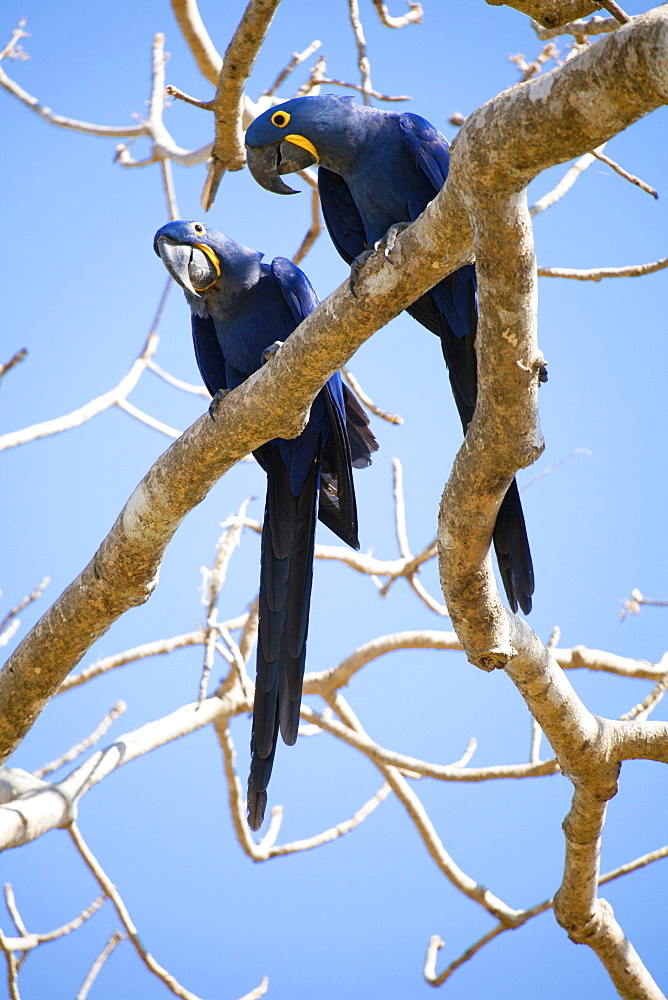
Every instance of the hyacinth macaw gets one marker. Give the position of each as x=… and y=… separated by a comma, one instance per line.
x=240, y=308
x=376, y=170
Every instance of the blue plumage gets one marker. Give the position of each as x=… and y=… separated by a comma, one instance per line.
x=240, y=307
x=378, y=169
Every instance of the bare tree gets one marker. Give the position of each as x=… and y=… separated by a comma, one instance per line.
x=480, y=214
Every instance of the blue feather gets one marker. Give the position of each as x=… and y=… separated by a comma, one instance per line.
x=243, y=309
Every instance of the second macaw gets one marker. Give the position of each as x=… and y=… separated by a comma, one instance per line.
x=241, y=308
x=376, y=170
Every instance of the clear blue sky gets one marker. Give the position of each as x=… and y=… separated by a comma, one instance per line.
x=80, y=285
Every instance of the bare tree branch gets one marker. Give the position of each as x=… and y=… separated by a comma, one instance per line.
x=95, y=968
x=14, y=360
x=197, y=37
x=37, y=592
x=316, y=227
x=595, y=274
x=362, y=58
x=625, y=174
x=352, y=383
x=580, y=29
x=297, y=58
x=12, y=49
x=114, y=397
x=228, y=151
x=84, y=744
x=110, y=890
x=551, y=13
x=436, y=943
x=414, y=15
x=529, y=70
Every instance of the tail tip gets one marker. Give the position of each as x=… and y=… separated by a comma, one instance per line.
x=257, y=803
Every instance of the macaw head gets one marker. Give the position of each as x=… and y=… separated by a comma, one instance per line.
x=298, y=134
x=198, y=258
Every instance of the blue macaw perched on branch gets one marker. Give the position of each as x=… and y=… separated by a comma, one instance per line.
x=241, y=308
x=378, y=170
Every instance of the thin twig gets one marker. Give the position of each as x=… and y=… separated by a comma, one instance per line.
x=179, y=95
x=311, y=87
x=14, y=360
x=362, y=58
x=353, y=384
x=24, y=603
x=316, y=226
x=27, y=941
x=110, y=890
x=580, y=28
x=157, y=648
x=422, y=768
x=95, y=968
x=595, y=274
x=414, y=16
x=116, y=396
x=196, y=390
x=400, y=508
x=425, y=828
x=12, y=49
x=529, y=70
x=624, y=173
x=370, y=92
x=297, y=58
x=170, y=192
x=436, y=943
x=642, y=710
x=10, y=900
x=146, y=418
x=616, y=11
x=555, y=465
x=564, y=185
x=84, y=744
x=258, y=992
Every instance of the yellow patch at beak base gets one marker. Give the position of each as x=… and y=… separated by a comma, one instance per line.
x=299, y=140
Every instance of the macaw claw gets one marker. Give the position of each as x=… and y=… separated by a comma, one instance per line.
x=388, y=242
x=356, y=270
x=385, y=245
x=215, y=404
x=271, y=351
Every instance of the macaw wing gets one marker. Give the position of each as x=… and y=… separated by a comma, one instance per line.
x=342, y=217
x=428, y=146
x=296, y=288
x=337, y=507
x=360, y=436
x=210, y=359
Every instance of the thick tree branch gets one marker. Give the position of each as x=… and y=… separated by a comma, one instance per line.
x=561, y=115
x=193, y=30
x=228, y=151
x=550, y=13
x=526, y=129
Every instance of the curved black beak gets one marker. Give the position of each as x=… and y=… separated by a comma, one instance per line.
x=267, y=162
x=176, y=258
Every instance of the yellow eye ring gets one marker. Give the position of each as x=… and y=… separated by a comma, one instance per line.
x=198, y=227
x=280, y=119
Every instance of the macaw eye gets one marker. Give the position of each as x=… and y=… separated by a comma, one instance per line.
x=280, y=118
x=198, y=227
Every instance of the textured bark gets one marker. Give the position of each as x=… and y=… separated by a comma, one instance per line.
x=501, y=147
x=481, y=211
x=550, y=13
x=228, y=105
